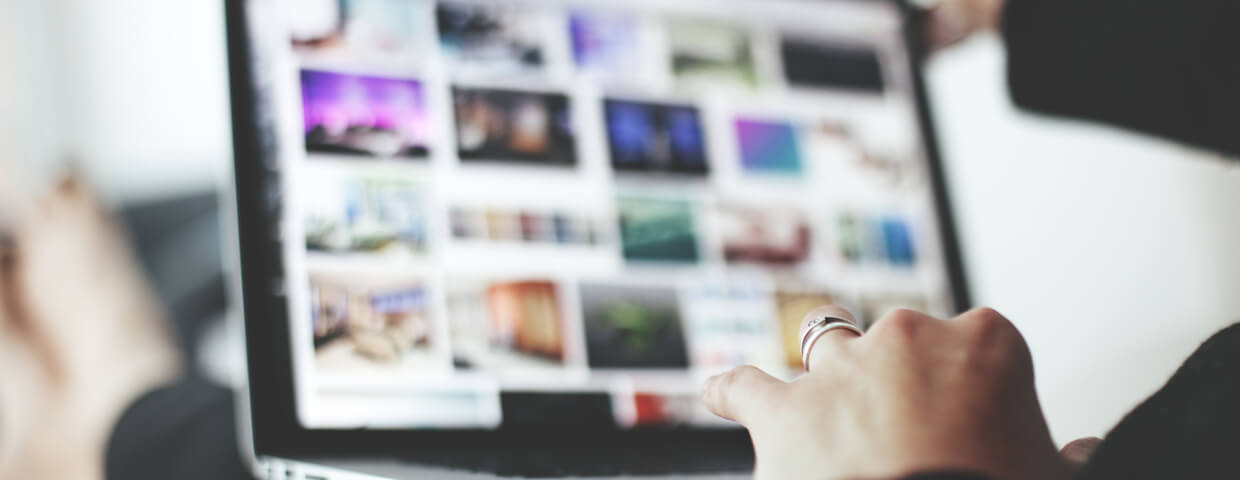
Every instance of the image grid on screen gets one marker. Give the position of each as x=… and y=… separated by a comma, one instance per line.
x=567, y=196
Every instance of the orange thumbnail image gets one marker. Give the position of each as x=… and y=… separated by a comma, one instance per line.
x=526, y=317
x=505, y=326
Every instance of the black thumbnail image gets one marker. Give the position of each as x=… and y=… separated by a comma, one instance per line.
x=633, y=327
x=517, y=127
x=822, y=64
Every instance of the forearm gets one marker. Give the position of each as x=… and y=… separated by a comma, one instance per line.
x=1157, y=66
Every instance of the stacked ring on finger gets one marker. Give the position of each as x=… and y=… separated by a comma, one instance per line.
x=819, y=327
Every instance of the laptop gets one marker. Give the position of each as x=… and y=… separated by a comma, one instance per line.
x=480, y=238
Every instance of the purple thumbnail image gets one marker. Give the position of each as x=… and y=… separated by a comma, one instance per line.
x=607, y=42
x=768, y=147
x=360, y=114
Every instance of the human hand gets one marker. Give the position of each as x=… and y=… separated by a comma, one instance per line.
x=949, y=22
x=1077, y=452
x=913, y=394
x=82, y=336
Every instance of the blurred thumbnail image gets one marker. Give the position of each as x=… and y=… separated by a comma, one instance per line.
x=658, y=230
x=490, y=38
x=365, y=215
x=710, y=53
x=731, y=324
x=655, y=137
x=854, y=239
x=898, y=242
x=792, y=307
x=604, y=42
x=359, y=114
x=886, y=240
x=632, y=327
x=572, y=229
x=764, y=236
x=769, y=147
x=875, y=306
x=503, y=325
x=818, y=64
x=528, y=226
x=503, y=226
x=536, y=228
x=377, y=30
x=367, y=320
x=510, y=126
x=657, y=410
x=851, y=158
x=467, y=223
x=653, y=409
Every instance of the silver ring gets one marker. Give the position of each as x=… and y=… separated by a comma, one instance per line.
x=819, y=327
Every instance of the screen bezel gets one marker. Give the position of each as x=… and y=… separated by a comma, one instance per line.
x=274, y=428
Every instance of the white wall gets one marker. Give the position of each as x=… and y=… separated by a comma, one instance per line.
x=8, y=87
x=1113, y=253
x=29, y=106
x=134, y=91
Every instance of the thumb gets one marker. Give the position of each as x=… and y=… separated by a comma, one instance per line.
x=741, y=393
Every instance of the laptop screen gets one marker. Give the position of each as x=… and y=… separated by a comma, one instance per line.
x=561, y=197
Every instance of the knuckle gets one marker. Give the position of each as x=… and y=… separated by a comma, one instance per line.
x=987, y=318
x=901, y=324
x=989, y=327
x=986, y=314
x=995, y=341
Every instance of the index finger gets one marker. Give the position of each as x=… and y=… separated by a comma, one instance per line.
x=741, y=393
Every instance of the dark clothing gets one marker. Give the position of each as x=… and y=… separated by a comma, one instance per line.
x=185, y=431
x=947, y=476
x=1163, y=67
x=1189, y=429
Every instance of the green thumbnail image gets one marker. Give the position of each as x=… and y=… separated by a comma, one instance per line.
x=658, y=230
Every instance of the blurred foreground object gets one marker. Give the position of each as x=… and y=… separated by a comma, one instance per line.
x=84, y=337
x=949, y=22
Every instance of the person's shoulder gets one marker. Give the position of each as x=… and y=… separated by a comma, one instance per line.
x=1229, y=336
x=1218, y=355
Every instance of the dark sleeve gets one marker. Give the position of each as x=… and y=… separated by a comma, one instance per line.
x=186, y=431
x=947, y=476
x=1188, y=429
x=1165, y=67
